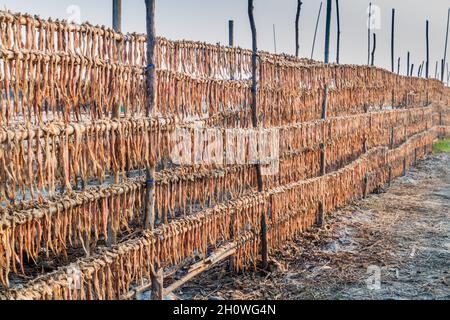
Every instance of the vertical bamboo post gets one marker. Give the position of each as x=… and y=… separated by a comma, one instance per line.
x=321, y=217
x=338, y=40
x=369, y=33
x=328, y=31
x=323, y=158
x=404, y=166
x=412, y=70
x=374, y=48
x=390, y=175
x=231, y=33
x=323, y=162
x=150, y=84
x=117, y=15
x=117, y=26
x=436, y=70
x=274, y=39
x=231, y=44
x=149, y=223
x=408, y=64
x=392, y=39
x=446, y=45
x=427, y=65
x=315, y=32
x=297, y=25
x=264, y=249
x=398, y=65
x=366, y=185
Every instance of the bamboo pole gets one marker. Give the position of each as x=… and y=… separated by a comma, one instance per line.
x=231, y=33
x=117, y=26
x=149, y=223
x=338, y=40
x=315, y=32
x=369, y=33
x=323, y=162
x=392, y=39
x=327, y=31
x=412, y=70
x=231, y=44
x=264, y=251
x=427, y=65
x=398, y=65
x=436, y=70
x=117, y=15
x=446, y=45
x=408, y=64
x=374, y=48
x=274, y=39
x=297, y=24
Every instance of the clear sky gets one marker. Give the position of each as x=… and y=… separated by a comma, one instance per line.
x=207, y=20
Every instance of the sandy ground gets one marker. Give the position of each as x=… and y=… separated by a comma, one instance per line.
x=394, y=245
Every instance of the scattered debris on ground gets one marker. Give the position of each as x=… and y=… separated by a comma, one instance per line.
x=402, y=236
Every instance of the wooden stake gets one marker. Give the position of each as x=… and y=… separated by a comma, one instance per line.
x=374, y=48
x=264, y=249
x=392, y=39
x=323, y=159
x=231, y=44
x=427, y=66
x=321, y=217
x=369, y=33
x=412, y=70
x=328, y=31
x=297, y=24
x=149, y=223
x=117, y=26
x=231, y=33
x=436, y=70
x=274, y=39
x=398, y=66
x=390, y=176
x=338, y=40
x=408, y=64
x=366, y=185
x=117, y=15
x=315, y=32
x=446, y=45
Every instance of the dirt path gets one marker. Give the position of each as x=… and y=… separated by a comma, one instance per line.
x=401, y=236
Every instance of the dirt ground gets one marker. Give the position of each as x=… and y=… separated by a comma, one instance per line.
x=394, y=245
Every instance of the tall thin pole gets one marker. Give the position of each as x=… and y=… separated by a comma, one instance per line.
x=231, y=33
x=150, y=83
x=446, y=44
x=338, y=40
x=436, y=70
x=117, y=15
x=264, y=251
x=157, y=277
x=327, y=31
x=392, y=39
x=369, y=33
x=398, y=65
x=274, y=39
x=427, y=65
x=315, y=32
x=117, y=26
x=374, y=48
x=297, y=25
x=412, y=70
x=408, y=64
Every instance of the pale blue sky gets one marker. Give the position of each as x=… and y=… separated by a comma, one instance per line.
x=207, y=20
